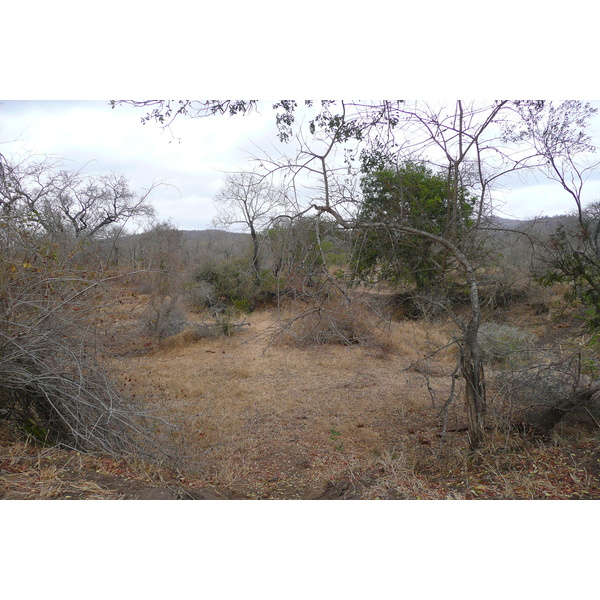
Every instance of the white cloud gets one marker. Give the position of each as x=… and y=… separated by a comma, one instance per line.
x=534, y=200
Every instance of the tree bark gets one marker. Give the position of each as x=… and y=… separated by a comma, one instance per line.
x=472, y=371
x=255, y=248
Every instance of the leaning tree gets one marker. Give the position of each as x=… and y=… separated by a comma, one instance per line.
x=474, y=144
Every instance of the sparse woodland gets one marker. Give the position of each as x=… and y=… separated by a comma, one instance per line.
x=377, y=331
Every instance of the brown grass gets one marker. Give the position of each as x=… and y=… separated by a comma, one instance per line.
x=284, y=420
x=263, y=416
x=29, y=472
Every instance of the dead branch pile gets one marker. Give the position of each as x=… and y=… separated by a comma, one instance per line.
x=58, y=393
x=53, y=386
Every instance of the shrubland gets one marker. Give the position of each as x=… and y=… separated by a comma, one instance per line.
x=328, y=391
x=395, y=342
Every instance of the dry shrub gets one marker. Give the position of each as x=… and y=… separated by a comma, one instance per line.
x=501, y=343
x=554, y=387
x=422, y=341
x=55, y=386
x=59, y=393
x=181, y=340
x=193, y=334
x=336, y=321
x=163, y=317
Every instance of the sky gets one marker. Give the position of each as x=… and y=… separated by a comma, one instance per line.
x=192, y=157
x=233, y=50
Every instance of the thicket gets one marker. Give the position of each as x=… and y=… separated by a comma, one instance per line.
x=230, y=283
x=572, y=256
x=54, y=384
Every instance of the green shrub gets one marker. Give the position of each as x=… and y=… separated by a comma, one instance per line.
x=232, y=284
x=228, y=283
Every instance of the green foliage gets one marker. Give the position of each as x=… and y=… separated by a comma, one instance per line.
x=242, y=306
x=335, y=438
x=36, y=433
x=230, y=281
x=589, y=366
x=411, y=195
x=231, y=284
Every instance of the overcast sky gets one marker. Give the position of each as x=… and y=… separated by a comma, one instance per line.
x=235, y=49
x=192, y=157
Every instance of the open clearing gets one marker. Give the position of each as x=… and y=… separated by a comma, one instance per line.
x=264, y=420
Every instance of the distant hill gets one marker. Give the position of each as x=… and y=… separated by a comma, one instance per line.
x=540, y=226
x=214, y=234
x=216, y=243
x=209, y=245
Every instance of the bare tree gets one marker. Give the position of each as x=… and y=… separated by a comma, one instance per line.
x=558, y=134
x=69, y=203
x=165, y=112
x=161, y=250
x=249, y=199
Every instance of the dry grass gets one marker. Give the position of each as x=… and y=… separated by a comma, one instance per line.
x=399, y=476
x=283, y=419
x=29, y=472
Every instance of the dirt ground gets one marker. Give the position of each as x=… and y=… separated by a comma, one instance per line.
x=261, y=419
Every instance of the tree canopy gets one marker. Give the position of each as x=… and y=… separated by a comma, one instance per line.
x=70, y=204
x=412, y=194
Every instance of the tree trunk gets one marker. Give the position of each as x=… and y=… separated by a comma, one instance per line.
x=255, y=242
x=472, y=371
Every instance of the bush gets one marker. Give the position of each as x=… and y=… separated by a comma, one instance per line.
x=162, y=318
x=55, y=390
x=424, y=305
x=223, y=285
x=200, y=295
x=543, y=394
x=504, y=343
x=335, y=321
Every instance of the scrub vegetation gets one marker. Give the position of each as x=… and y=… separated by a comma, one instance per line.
x=386, y=337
